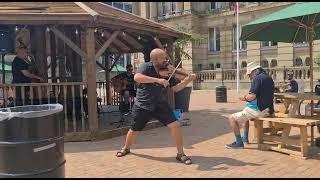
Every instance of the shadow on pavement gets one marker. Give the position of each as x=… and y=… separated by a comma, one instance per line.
x=204, y=163
x=206, y=124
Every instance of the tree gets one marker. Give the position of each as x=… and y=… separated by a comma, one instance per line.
x=183, y=41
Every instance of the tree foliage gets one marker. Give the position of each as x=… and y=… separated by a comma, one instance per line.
x=183, y=41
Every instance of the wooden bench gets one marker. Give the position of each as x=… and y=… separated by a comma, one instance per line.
x=283, y=139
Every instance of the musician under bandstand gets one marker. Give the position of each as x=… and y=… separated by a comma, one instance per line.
x=21, y=73
x=129, y=92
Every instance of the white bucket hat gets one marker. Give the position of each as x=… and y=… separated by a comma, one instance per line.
x=251, y=67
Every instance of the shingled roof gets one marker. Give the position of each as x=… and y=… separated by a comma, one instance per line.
x=97, y=13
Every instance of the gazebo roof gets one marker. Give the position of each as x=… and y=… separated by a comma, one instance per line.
x=77, y=12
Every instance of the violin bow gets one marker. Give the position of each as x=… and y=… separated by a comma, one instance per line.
x=175, y=69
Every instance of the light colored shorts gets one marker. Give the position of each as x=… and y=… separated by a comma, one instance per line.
x=245, y=115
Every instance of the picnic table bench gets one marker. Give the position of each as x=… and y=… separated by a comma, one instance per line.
x=282, y=140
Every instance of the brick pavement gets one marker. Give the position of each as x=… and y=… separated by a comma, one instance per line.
x=153, y=154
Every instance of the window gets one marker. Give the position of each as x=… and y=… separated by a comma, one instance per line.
x=307, y=61
x=214, y=39
x=148, y=10
x=200, y=67
x=216, y=5
x=242, y=44
x=126, y=6
x=211, y=66
x=174, y=7
x=243, y=64
x=218, y=65
x=164, y=8
x=268, y=43
x=298, y=62
x=274, y=63
x=265, y=63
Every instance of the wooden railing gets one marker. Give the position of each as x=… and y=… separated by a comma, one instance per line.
x=69, y=94
x=102, y=93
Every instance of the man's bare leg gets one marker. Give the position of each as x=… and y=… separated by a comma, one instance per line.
x=177, y=137
x=131, y=136
x=234, y=126
x=245, y=136
x=236, y=130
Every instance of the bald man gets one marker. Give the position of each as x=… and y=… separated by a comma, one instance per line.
x=151, y=102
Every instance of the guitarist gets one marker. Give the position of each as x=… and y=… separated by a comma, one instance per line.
x=128, y=90
x=21, y=73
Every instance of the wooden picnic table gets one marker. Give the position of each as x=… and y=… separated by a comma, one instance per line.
x=292, y=101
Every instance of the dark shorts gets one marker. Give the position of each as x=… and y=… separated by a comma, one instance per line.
x=142, y=116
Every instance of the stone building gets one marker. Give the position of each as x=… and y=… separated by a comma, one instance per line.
x=216, y=23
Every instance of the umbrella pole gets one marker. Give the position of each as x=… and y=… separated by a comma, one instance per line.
x=311, y=71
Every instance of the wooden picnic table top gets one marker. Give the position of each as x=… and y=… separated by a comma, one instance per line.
x=298, y=96
x=295, y=121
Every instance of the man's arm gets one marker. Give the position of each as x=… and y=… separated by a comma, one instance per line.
x=140, y=78
x=248, y=97
x=30, y=75
x=183, y=83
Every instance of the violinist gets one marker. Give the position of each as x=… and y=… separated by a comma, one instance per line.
x=21, y=73
x=151, y=102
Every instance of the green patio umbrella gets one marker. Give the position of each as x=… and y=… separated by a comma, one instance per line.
x=296, y=23
x=6, y=67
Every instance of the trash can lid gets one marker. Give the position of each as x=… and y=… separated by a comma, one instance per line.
x=30, y=111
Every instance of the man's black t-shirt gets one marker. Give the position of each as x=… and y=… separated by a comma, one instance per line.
x=19, y=64
x=149, y=95
x=263, y=87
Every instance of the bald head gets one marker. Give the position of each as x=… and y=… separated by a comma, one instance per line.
x=158, y=57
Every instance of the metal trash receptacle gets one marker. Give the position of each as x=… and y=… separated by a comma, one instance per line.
x=32, y=142
x=221, y=94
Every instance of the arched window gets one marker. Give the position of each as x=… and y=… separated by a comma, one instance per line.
x=298, y=62
x=211, y=66
x=307, y=61
x=243, y=64
x=265, y=63
x=274, y=63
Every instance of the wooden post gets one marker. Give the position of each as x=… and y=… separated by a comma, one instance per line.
x=38, y=49
x=61, y=60
x=91, y=78
x=107, y=73
x=53, y=55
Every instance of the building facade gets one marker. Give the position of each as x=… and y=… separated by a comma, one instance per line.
x=216, y=24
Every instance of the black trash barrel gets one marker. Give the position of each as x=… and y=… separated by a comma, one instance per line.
x=32, y=141
x=221, y=94
x=182, y=99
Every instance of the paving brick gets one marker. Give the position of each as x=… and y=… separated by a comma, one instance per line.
x=154, y=152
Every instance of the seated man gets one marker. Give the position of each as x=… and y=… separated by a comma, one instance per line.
x=293, y=85
x=259, y=103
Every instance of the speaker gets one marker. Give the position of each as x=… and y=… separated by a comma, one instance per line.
x=6, y=42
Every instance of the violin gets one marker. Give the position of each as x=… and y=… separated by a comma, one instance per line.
x=168, y=69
